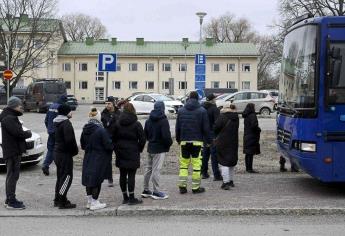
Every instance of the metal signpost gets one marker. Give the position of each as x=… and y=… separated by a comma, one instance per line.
x=8, y=75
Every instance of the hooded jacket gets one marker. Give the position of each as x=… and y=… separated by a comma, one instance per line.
x=129, y=141
x=212, y=113
x=109, y=119
x=65, y=143
x=52, y=113
x=96, y=142
x=13, y=135
x=192, y=123
x=251, y=136
x=226, y=132
x=157, y=130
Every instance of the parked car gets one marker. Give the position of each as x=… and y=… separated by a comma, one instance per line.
x=42, y=93
x=35, y=151
x=143, y=103
x=72, y=102
x=264, y=103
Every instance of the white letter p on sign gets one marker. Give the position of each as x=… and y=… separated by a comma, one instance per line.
x=107, y=59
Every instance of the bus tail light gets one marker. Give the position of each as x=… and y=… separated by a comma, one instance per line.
x=328, y=160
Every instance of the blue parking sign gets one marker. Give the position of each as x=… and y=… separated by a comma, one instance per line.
x=200, y=59
x=107, y=62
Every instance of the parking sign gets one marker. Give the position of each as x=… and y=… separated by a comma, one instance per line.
x=107, y=62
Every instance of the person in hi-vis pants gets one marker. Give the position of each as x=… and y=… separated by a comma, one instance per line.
x=192, y=130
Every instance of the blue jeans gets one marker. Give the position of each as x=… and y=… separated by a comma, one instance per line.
x=50, y=148
x=206, y=153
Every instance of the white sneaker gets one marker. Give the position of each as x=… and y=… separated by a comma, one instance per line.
x=96, y=205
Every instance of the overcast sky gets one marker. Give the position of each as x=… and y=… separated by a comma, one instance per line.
x=168, y=19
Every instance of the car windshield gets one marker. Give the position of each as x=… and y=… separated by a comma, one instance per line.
x=222, y=96
x=54, y=88
x=159, y=97
x=297, y=82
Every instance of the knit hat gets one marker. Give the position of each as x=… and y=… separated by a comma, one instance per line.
x=64, y=109
x=95, y=114
x=14, y=102
x=194, y=94
x=110, y=99
x=159, y=105
x=210, y=97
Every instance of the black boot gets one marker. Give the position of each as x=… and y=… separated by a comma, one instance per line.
x=282, y=164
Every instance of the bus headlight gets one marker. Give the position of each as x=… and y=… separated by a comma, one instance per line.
x=308, y=147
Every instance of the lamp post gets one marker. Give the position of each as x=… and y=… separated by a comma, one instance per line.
x=185, y=45
x=201, y=16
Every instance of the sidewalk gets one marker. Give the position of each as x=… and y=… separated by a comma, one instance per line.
x=268, y=194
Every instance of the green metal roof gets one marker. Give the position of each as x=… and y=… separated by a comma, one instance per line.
x=159, y=48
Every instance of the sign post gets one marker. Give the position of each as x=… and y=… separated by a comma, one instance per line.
x=8, y=75
x=107, y=62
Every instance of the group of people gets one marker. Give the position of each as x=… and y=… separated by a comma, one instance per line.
x=201, y=130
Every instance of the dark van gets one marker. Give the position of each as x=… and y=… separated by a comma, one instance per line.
x=41, y=94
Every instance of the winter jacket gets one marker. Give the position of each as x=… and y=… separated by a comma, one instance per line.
x=13, y=135
x=109, y=119
x=157, y=130
x=192, y=123
x=96, y=142
x=251, y=136
x=227, y=138
x=65, y=143
x=129, y=141
x=212, y=112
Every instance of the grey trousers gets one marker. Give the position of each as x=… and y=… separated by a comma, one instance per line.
x=227, y=173
x=153, y=166
x=13, y=170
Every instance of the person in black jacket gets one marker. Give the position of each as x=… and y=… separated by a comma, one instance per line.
x=192, y=131
x=109, y=116
x=129, y=140
x=226, y=131
x=213, y=113
x=157, y=132
x=251, y=136
x=65, y=149
x=96, y=142
x=13, y=146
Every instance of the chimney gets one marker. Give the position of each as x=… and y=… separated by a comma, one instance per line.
x=113, y=41
x=24, y=17
x=89, y=41
x=140, y=41
x=209, y=42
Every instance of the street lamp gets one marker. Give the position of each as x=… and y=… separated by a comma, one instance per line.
x=201, y=16
x=185, y=45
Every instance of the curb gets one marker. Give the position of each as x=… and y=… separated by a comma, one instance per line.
x=161, y=211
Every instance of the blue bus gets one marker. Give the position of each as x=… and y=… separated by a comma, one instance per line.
x=311, y=108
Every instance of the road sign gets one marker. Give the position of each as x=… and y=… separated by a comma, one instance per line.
x=107, y=62
x=8, y=74
x=200, y=59
x=200, y=71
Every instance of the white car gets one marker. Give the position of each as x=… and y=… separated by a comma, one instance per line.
x=35, y=151
x=143, y=103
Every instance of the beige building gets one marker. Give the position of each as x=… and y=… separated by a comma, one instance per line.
x=160, y=67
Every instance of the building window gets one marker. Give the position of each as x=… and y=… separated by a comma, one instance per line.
x=19, y=43
x=150, y=85
x=100, y=76
x=133, y=67
x=182, y=85
x=116, y=85
x=68, y=84
x=165, y=85
x=230, y=84
x=133, y=84
x=37, y=63
x=66, y=67
x=118, y=67
x=166, y=67
x=230, y=67
x=82, y=84
x=215, y=67
x=38, y=43
x=246, y=85
x=215, y=84
x=20, y=62
x=182, y=67
x=82, y=66
x=150, y=67
x=246, y=67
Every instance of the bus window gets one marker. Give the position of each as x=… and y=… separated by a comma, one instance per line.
x=336, y=93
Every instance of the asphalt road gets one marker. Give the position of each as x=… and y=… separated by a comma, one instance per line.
x=193, y=225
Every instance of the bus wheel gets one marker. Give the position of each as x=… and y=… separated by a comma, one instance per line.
x=265, y=111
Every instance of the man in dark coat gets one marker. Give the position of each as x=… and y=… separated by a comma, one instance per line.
x=157, y=132
x=13, y=146
x=65, y=149
x=98, y=147
x=48, y=121
x=251, y=136
x=109, y=116
x=213, y=113
x=192, y=131
x=226, y=131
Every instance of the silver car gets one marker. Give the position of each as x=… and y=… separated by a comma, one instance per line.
x=264, y=103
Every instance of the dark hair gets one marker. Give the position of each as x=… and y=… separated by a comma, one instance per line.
x=232, y=107
x=250, y=107
x=128, y=107
x=194, y=94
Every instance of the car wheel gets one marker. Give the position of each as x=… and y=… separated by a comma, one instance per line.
x=265, y=111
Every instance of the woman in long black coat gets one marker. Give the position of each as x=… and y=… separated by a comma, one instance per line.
x=251, y=137
x=129, y=141
x=98, y=147
x=226, y=132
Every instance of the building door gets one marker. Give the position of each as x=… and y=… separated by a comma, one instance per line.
x=99, y=94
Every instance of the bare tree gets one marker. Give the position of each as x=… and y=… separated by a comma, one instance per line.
x=28, y=35
x=80, y=26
